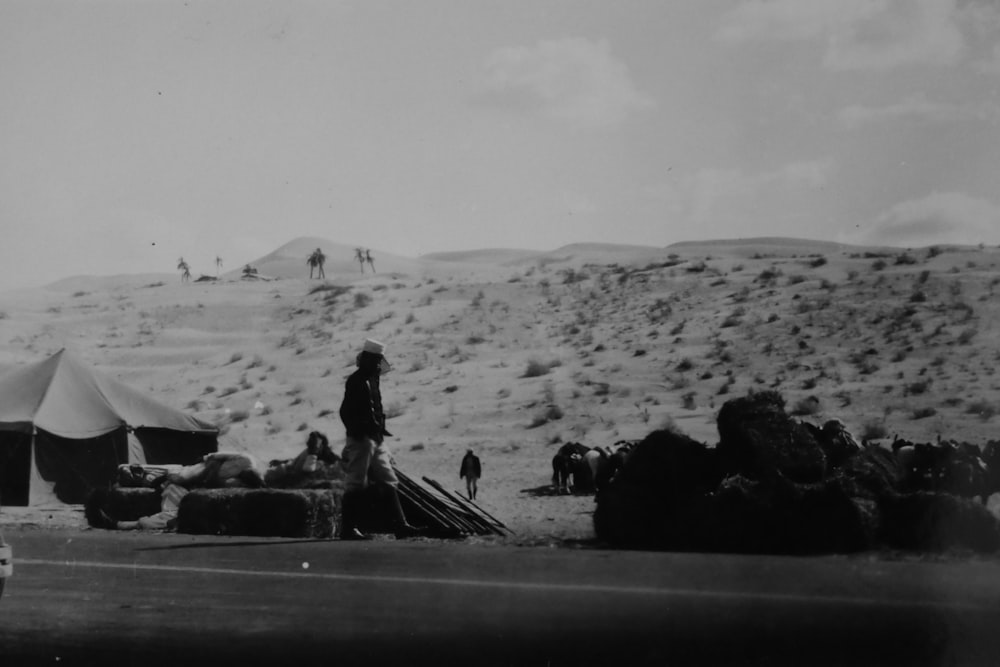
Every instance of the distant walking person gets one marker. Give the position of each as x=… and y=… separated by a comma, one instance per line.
x=365, y=459
x=471, y=470
x=368, y=258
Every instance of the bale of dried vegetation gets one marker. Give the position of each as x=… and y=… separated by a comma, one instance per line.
x=259, y=512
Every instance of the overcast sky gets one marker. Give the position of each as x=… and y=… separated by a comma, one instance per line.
x=135, y=132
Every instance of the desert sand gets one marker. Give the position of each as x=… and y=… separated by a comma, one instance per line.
x=510, y=353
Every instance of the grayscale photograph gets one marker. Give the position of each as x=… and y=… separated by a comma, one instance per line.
x=499, y=332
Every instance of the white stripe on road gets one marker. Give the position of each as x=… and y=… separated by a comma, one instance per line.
x=942, y=604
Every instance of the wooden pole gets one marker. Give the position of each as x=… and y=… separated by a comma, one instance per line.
x=440, y=511
x=430, y=512
x=461, y=503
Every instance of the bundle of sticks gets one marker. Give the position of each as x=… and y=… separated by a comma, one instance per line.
x=444, y=512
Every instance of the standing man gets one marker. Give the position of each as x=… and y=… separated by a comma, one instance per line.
x=471, y=470
x=365, y=459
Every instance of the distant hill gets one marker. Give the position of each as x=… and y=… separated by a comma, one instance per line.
x=499, y=256
x=763, y=246
x=601, y=253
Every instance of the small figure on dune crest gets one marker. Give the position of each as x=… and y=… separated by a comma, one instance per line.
x=218, y=265
x=365, y=459
x=471, y=470
x=368, y=258
x=359, y=255
x=185, y=270
x=316, y=261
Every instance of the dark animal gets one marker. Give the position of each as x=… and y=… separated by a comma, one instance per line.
x=568, y=462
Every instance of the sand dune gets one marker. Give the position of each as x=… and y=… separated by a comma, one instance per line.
x=588, y=342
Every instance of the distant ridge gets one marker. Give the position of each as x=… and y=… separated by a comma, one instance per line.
x=482, y=255
x=782, y=241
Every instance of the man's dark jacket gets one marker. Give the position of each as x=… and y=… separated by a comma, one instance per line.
x=471, y=467
x=361, y=409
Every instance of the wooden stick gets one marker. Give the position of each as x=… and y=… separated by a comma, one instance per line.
x=457, y=512
x=431, y=512
x=490, y=516
x=461, y=503
x=442, y=511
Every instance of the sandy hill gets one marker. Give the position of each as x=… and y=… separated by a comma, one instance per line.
x=482, y=256
x=511, y=361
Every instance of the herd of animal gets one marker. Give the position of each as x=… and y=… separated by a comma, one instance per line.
x=589, y=468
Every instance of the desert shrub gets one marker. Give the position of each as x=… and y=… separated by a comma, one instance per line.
x=873, y=429
x=924, y=413
x=933, y=252
x=209, y=389
x=228, y=391
x=808, y=406
x=325, y=413
x=867, y=366
x=688, y=399
x=362, y=299
x=768, y=275
x=817, y=262
x=239, y=415
x=302, y=427
x=255, y=362
x=905, y=259
x=474, y=340
x=966, y=336
x=982, y=408
x=879, y=264
x=918, y=296
x=330, y=290
x=685, y=365
x=796, y=279
x=535, y=368
x=918, y=388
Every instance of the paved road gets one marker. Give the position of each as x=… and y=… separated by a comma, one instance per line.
x=93, y=597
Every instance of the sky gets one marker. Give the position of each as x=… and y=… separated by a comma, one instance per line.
x=136, y=132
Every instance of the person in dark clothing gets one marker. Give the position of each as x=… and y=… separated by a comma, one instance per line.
x=365, y=458
x=471, y=470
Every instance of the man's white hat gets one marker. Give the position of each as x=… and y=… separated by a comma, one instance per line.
x=373, y=346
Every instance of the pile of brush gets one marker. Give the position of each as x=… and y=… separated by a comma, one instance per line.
x=260, y=512
x=777, y=485
x=442, y=513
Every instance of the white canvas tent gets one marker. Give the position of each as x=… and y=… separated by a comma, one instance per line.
x=65, y=428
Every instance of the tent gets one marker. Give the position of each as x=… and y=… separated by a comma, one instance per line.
x=65, y=428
